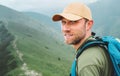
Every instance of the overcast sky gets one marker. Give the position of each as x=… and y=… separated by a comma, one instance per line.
x=42, y=6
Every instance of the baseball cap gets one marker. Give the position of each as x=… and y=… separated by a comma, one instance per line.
x=73, y=12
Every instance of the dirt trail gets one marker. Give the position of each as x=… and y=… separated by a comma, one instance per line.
x=24, y=67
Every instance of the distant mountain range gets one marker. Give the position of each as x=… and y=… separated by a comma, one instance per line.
x=106, y=15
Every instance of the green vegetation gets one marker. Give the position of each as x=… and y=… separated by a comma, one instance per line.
x=8, y=61
x=41, y=54
x=37, y=48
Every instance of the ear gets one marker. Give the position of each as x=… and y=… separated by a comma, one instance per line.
x=89, y=25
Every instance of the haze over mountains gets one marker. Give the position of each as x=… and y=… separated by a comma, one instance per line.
x=31, y=44
x=106, y=15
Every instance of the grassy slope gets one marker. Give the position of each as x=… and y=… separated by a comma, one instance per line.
x=39, y=43
x=41, y=51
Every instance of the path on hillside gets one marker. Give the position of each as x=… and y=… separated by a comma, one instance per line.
x=24, y=67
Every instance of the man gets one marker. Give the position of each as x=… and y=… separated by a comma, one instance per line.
x=76, y=27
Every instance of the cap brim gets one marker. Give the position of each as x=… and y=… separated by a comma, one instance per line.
x=68, y=16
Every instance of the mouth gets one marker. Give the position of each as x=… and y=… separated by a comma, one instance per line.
x=68, y=36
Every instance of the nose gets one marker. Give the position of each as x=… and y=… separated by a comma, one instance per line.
x=65, y=28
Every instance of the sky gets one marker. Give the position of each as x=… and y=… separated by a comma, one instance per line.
x=40, y=6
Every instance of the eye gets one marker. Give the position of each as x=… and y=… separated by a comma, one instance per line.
x=63, y=22
x=72, y=22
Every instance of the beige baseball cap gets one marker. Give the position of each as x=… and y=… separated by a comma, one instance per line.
x=73, y=12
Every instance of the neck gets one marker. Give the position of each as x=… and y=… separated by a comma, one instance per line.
x=76, y=46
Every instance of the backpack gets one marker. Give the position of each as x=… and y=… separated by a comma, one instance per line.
x=113, y=47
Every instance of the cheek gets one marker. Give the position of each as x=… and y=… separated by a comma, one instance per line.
x=81, y=30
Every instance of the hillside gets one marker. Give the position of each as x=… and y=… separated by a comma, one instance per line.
x=43, y=18
x=106, y=15
x=37, y=48
x=6, y=57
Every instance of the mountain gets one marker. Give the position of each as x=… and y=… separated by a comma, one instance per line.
x=46, y=20
x=32, y=47
x=106, y=15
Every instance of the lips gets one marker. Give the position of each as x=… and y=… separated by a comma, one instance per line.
x=68, y=36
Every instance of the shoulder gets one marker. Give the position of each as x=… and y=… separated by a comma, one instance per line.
x=93, y=56
x=91, y=70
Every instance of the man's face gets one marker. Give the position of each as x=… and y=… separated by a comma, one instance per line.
x=73, y=31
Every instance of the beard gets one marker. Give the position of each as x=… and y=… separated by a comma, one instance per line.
x=74, y=38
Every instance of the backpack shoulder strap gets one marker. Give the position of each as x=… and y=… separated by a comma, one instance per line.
x=90, y=44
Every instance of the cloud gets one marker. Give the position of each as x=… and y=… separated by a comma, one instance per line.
x=40, y=5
